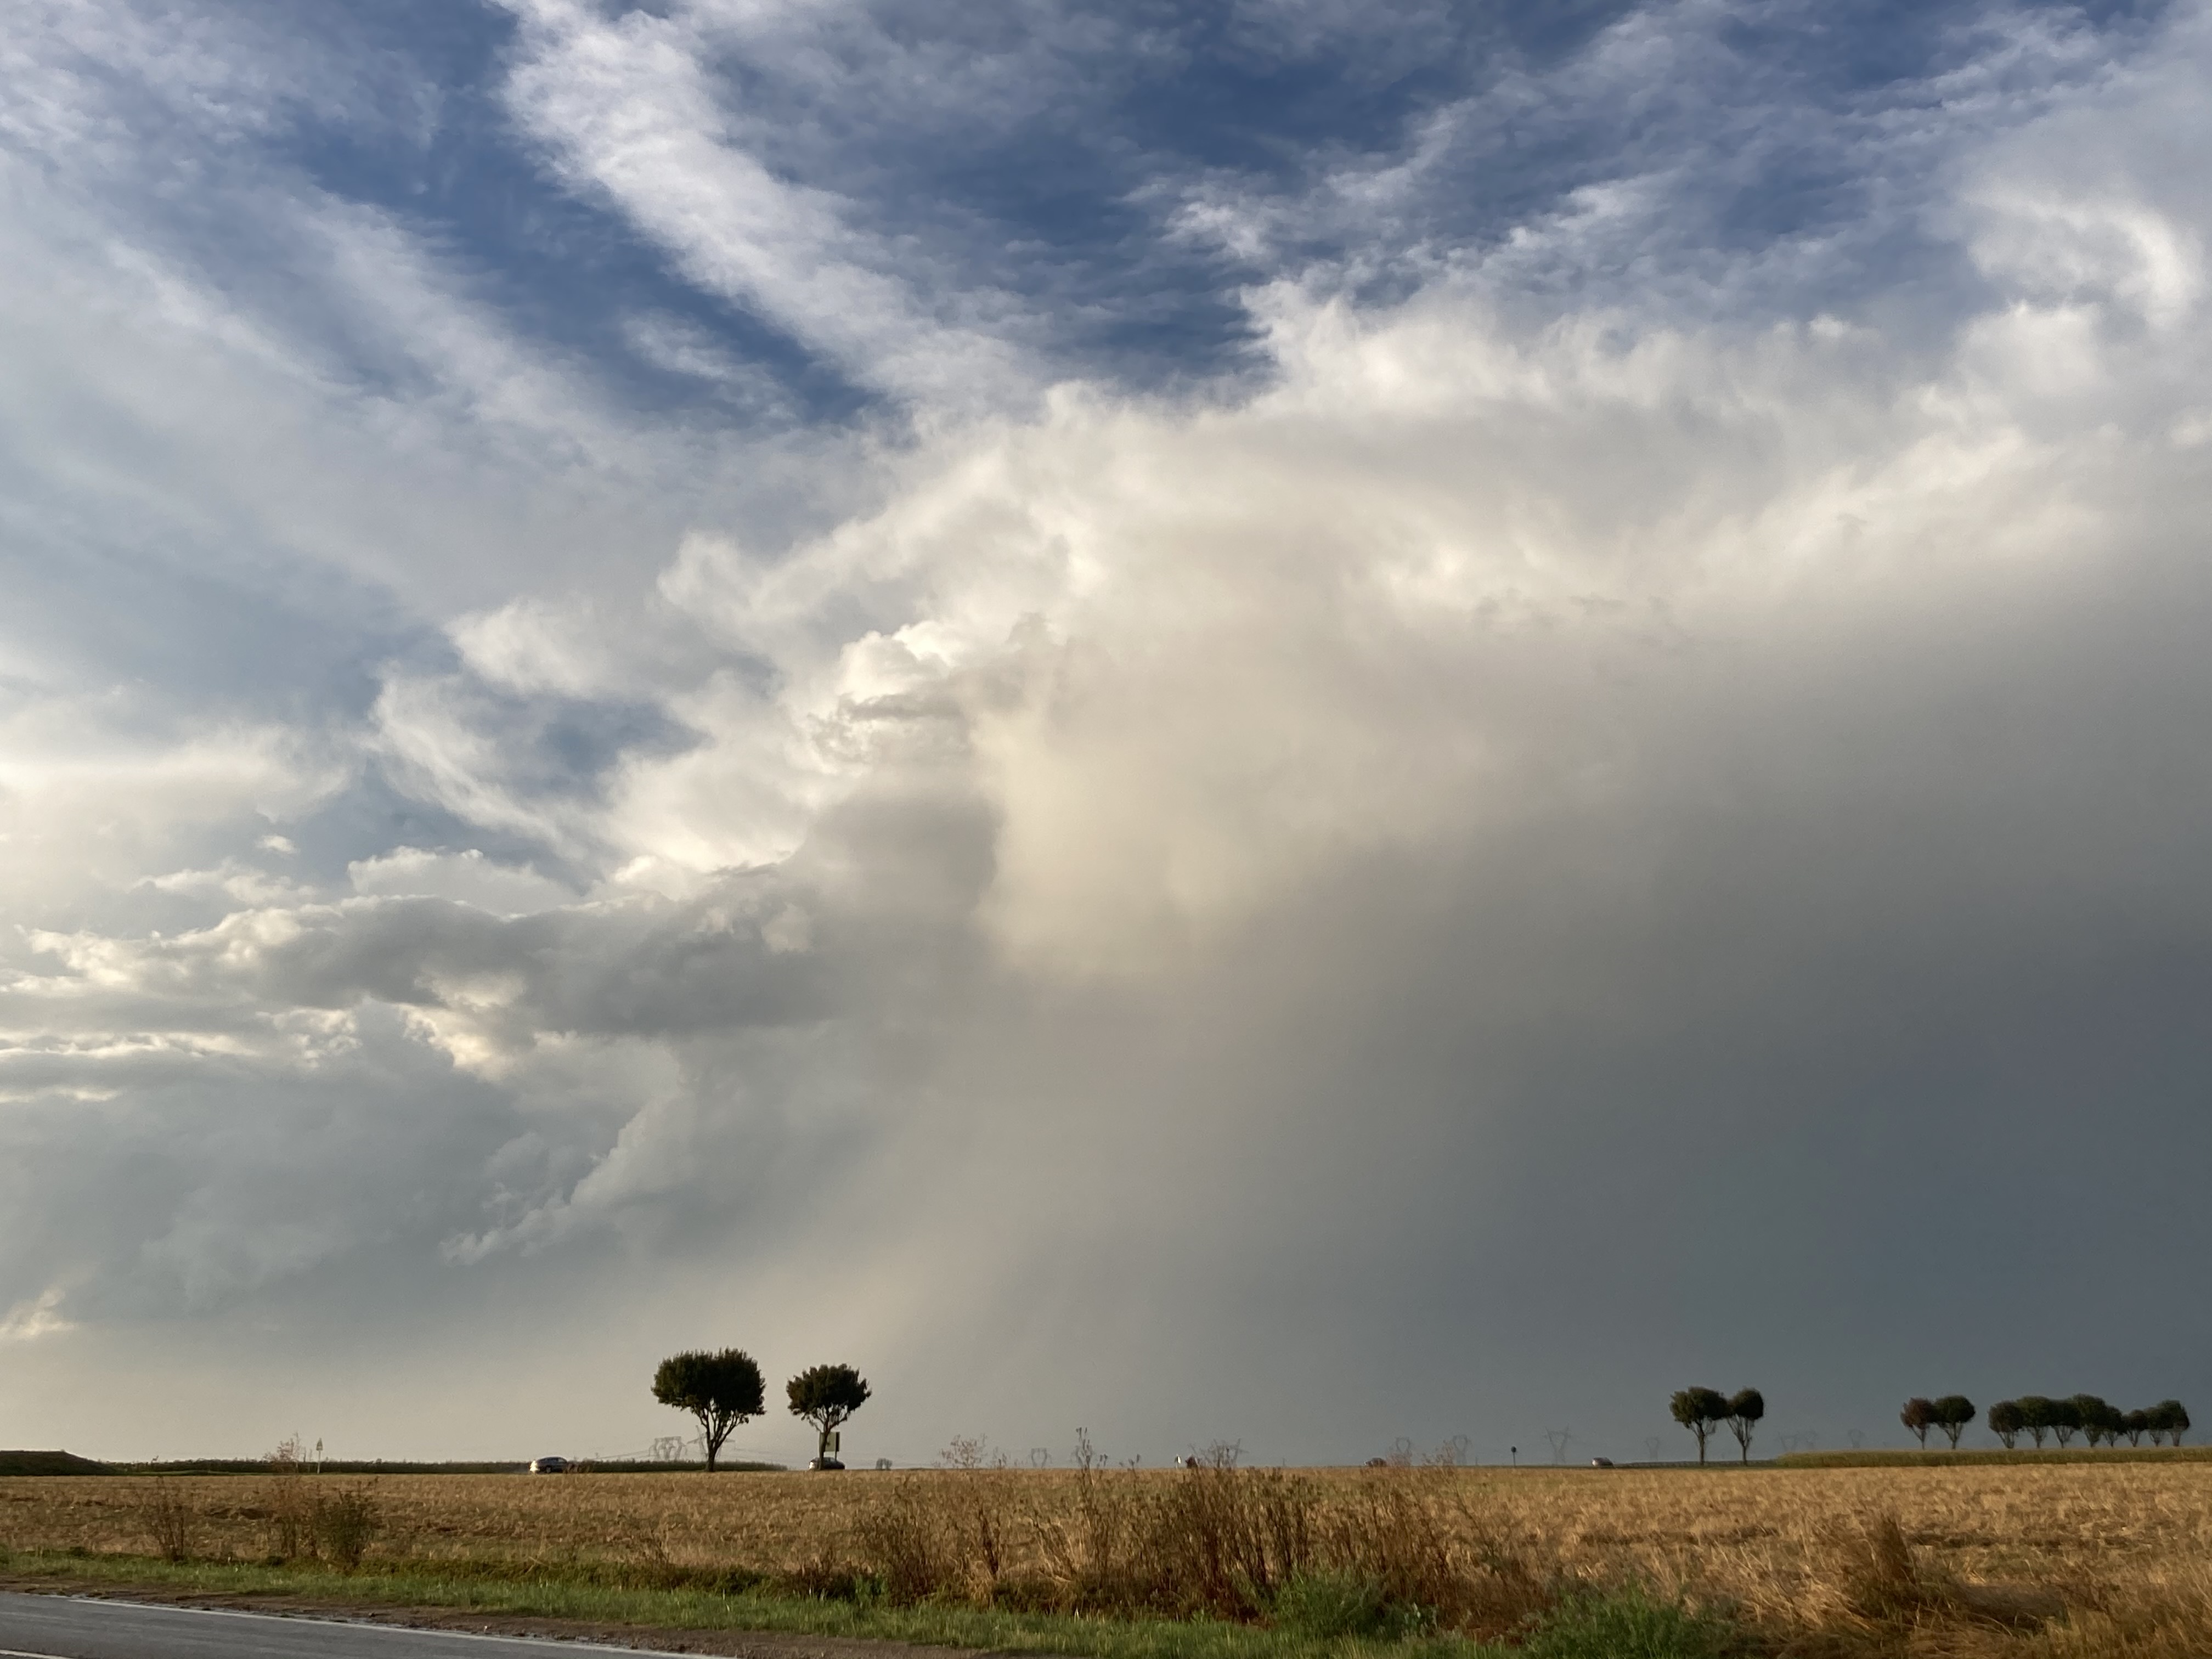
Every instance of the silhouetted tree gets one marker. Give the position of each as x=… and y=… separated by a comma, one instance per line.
x=1953, y=1413
x=1745, y=1407
x=1919, y=1416
x=2168, y=1417
x=2088, y=1412
x=825, y=1395
x=2135, y=1425
x=1700, y=1411
x=2035, y=1416
x=2006, y=1422
x=720, y=1389
x=2099, y=1422
x=2066, y=1420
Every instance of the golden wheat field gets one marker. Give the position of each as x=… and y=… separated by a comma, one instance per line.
x=2065, y=1559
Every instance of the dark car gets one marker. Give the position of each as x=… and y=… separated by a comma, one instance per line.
x=549, y=1466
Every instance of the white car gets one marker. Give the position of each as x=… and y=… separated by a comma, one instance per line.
x=549, y=1466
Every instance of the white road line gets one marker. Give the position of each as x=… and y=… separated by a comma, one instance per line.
x=25, y=1653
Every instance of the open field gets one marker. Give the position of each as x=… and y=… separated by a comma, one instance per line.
x=2060, y=1558
x=2020, y=1456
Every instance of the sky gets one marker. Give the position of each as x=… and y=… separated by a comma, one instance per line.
x=1289, y=722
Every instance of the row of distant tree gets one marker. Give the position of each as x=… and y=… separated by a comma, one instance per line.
x=2036, y=1416
x=724, y=1389
x=1705, y=1412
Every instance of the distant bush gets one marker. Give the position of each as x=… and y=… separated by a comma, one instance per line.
x=343, y=1527
x=170, y=1522
x=287, y=1504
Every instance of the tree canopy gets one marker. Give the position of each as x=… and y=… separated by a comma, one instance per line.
x=1700, y=1411
x=2099, y=1421
x=825, y=1395
x=2067, y=1419
x=720, y=1389
x=1953, y=1413
x=1745, y=1407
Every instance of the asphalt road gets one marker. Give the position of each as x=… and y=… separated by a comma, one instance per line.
x=66, y=1627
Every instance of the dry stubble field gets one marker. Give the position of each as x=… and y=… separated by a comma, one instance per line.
x=2017, y=1560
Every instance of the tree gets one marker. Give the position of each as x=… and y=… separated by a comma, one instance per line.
x=2066, y=1418
x=1919, y=1416
x=1953, y=1413
x=2135, y=1425
x=720, y=1389
x=1700, y=1411
x=2099, y=1422
x=1745, y=1407
x=2089, y=1410
x=2035, y=1416
x=2169, y=1416
x=825, y=1395
x=2006, y=1422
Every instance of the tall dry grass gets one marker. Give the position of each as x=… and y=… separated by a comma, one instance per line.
x=2062, y=1561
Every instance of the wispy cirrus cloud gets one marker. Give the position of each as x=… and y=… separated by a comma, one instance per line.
x=628, y=108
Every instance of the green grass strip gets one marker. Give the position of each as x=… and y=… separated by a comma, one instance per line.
x=549, y=1595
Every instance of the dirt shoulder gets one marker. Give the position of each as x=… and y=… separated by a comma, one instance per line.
x=731, y=1643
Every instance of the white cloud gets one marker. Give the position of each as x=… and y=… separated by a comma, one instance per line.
x=92, y=802
x=465, y=878
x=27, y=1321
x=630, y=109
